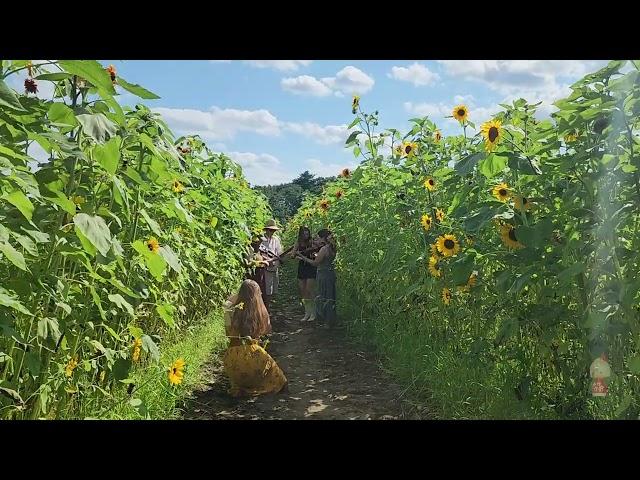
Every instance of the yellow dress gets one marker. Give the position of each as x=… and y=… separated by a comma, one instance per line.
x=251, y=369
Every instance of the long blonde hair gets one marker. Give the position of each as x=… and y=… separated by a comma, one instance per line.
x=252, y=319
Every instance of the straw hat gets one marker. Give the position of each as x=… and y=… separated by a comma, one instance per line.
x=271, y=225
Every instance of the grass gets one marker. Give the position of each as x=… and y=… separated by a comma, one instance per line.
x=153, y=397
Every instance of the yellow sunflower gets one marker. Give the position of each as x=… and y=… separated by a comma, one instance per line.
x=571, y=137
x=508, y=236
x=434, y=268
x=71, y=366
x=434, y=250
x=137, y=348
x=176, y=372
x=502, y=192
x=439, y=215
x=324, y=205
x=437, y=136
x=177, y=186
x=355, y=104
x=448, y=245
x=409, y=149
x=153, y=245
x=460, y=113
x=446, y=296
x=492, y=133
x=469, y=240
x=426, y=222
x=473, y=278
x=79, y=200
x=522, y=203
x=430, y=184
x=307, y=214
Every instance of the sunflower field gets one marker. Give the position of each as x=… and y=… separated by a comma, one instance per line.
x=492, y=268
x=112, y=249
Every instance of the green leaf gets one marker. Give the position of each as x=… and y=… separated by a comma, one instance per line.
x=28, y=244
x=624, y=406
x=122, y=303
x=54, y=77
x=13, y=255
x=111, y=331
x=156, y=264
x=39, y=237
x=520, y=163
x=98, y=302
x=108, y=155
x=62, y=201
x=137, y=90
x=634, y=365
x=121, y=368
x=48, y=326
x=10, y=301
x=153, y=225
x=60, y=114
x=86, y=244
x=91, y=71
x=136, y=332
x=466, y=165
x=462, y=269
x=96, y=231
x=172, y=259
x=97, y=126
x=354, y=123
x=11, y=393
x=536, y=235
x=166, y=312
x=21, y=202
x=565, y=276
x=478, y=219
x=492, y=165
x=352, y=137
x=8, y=98
x=149, y=346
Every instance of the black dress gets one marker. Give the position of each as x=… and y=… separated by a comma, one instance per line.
x=306, y=271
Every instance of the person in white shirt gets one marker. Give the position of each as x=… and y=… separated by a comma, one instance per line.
x=272, y=247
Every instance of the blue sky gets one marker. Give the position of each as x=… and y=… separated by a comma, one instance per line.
x=278, y=118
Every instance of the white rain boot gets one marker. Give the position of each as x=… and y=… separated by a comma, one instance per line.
x=312, y=309
x=307, y=312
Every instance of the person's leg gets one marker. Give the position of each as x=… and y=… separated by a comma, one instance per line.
x=302, y=286
x=310, y=298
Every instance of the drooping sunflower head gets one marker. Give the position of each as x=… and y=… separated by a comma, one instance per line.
x=430, y=184
x=502, y=192
x=409, y=149
x=398, y=150
x=460, y=113
x=137, y=348
x=30, y=86
x=439, y=215
x=307, y=214
x=508, y=236
x=345, y=173
x=176, y=372
x=112, y=73
x=434, y=250
x=437, y=136
x=471, y=282
x=177, y=186
x=492, y=133
x=153, y=245
x=426, y=222
x=79, y=200
x=324, y=205
x=434, y=268
x=30, y=68
x=446, y=296
x=339, y=194
x=571, y=137
x=71, y=366
x=448, y=245
x=469, y=240
x=522, y=203
x=355, y=104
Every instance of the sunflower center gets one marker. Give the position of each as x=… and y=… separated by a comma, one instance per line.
x=502, y=192
x=448, y=244
x=524, y=200
x=461, y=113
x=150, y=245
x=431, y=182
x=493, y=134
x=407, y=149
x=512, y=235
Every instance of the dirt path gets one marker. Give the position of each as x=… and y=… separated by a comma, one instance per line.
x=329, y=377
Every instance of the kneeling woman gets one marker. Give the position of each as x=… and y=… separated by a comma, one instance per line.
x=250, y=368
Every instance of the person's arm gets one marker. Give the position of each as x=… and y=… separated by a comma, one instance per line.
x=319, y=257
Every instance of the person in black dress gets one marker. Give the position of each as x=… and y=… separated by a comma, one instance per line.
x=306, y=246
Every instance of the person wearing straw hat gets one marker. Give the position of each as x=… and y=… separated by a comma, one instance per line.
x=272, y=246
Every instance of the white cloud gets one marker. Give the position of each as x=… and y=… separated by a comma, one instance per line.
x=437, y=112
x=348, y=81
x=327, y=135
x=261, y=168
x=220, y=124
x=416, y=73
x=305, y=85
x=281, y=65
x=351, y=81
x=324, y=169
